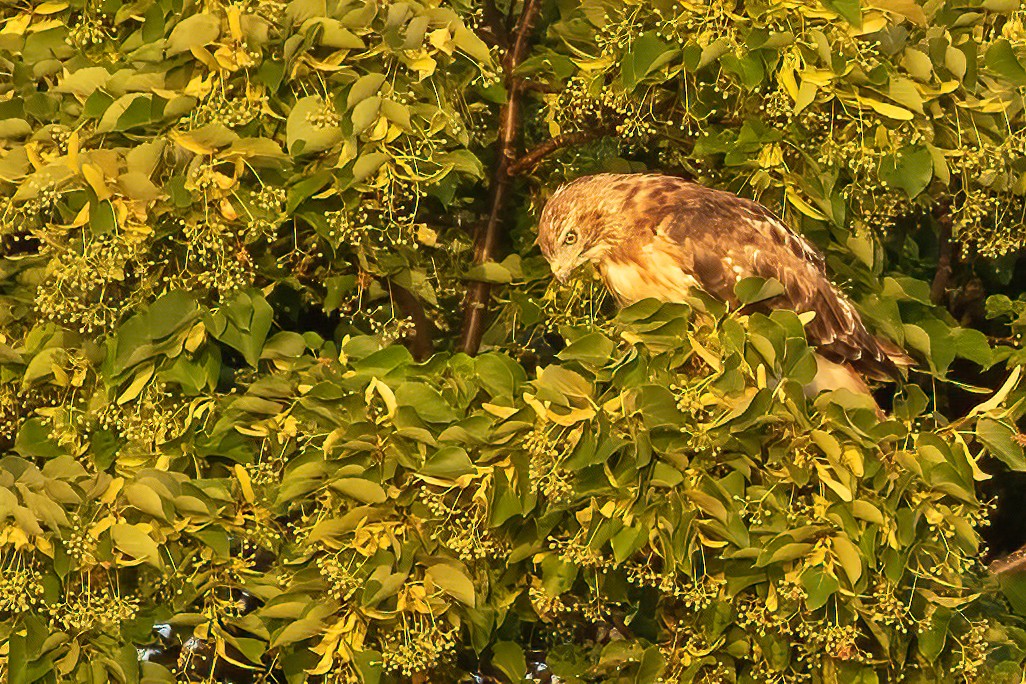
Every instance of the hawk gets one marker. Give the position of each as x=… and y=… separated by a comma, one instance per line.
x=651, y=235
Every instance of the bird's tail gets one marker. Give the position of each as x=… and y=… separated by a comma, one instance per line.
x=839, y=333
x=887, y=362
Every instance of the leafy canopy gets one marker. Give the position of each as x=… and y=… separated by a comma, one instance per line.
x=219, y=221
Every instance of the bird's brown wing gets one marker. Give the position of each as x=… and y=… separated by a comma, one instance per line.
x=724, y=238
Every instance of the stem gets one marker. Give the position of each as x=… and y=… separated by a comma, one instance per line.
x=533, y=158
x=1014, y=561
x=487, y=236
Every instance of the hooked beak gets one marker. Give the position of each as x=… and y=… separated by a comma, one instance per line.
x=561, y=273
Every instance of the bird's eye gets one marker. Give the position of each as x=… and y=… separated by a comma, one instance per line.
x=570, y=239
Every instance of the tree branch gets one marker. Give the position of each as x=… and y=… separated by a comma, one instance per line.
x=1013, y=562
x=534, y=157
x=941, y=277
x=488, y=235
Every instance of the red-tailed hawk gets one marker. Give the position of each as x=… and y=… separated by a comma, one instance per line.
x=659, y=236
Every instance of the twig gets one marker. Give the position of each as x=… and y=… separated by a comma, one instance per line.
x=533, y=158
x=994, y=340
x=487, y=236
x=1013, y=562
x=939, y=286
x=523, y=30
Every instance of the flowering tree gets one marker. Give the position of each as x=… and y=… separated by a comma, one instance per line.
x=286, y=393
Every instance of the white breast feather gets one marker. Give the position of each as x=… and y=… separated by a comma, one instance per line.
x=658, y=274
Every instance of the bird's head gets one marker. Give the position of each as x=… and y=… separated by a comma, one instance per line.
x=572, y=229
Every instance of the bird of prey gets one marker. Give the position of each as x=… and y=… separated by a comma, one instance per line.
x=652, y=235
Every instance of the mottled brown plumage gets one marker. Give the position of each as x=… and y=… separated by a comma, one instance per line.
x=659, y=236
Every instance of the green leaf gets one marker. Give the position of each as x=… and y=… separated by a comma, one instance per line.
x=284, y=345
x=851, y=10
x=973, y=345
x=305, y=188
x=41, y=366
x=14, y=129
x=755, y=289
x=820, y=586
x=563, y=381
x=454, y=582
x=368, y=163
x=426, y=401
x=933, y=633
x=651, y=666
x=593, y=348
x=469, y=43
x=462, y=161
x=84, y=82
x=911, y=169
x=448, y=462
x=365, y=113
x=193, y=31
x=1013, y=586
x=397, y=113
x=298, y=630
x=170, y=313
x=1001, y=59
x=498, y=374
x=508, y=658
x=906, y=93
x=1002, y=6
x=850, y=558
x=243, y=324
x=647, y=53
x=364, y=87
x=627, y=541
x=302, y=135
x=382, y=585
x=136, y=543
x=1000, y=441
x=334, y=35
x=96, y=104
x=35, y=440
x=127, y=112
x=368, y=662
x=364, y=491
x=490, y=272
x=145, y=499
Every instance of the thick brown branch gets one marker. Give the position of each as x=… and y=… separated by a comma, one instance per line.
x=488, y=235
x=941, y=277
x=534, y=157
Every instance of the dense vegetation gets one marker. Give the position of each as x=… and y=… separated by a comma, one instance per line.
x=286, y=393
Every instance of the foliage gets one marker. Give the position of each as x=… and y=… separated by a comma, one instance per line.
x=218, y=221
x=380, y=516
